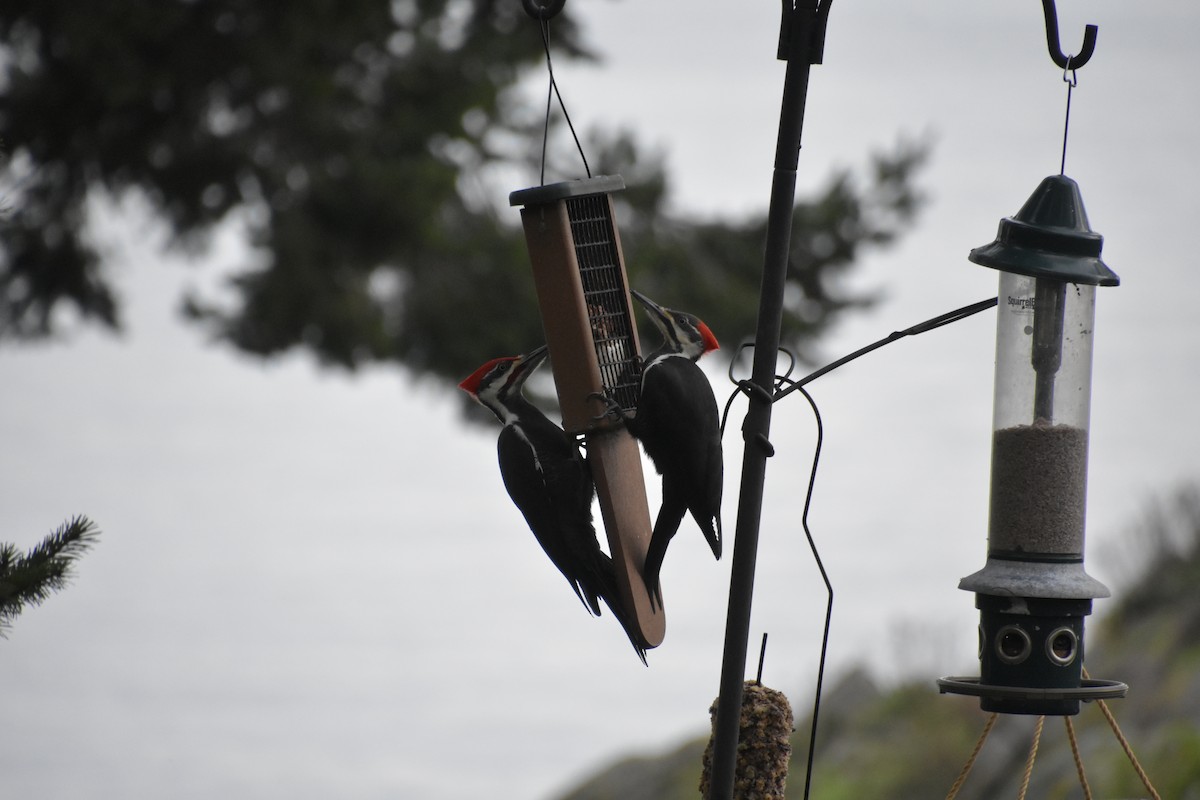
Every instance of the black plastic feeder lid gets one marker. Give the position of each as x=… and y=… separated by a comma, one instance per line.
x=550, y=192
x=1049, y=238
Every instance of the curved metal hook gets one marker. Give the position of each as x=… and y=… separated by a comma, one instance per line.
x=1066, y=62
x=542, y=11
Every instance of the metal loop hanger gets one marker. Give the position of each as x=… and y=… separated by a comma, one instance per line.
x=542, y=10
x=1072, y=62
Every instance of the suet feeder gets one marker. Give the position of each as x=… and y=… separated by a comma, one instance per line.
x=1033, y=592
x=587, y=316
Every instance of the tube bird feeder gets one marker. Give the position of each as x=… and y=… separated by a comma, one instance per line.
x=1033, y=592
x=587, y=316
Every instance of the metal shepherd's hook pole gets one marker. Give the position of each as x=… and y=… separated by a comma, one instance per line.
x=801, y=43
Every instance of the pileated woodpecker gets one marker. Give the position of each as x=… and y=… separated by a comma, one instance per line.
x=678, y=425
x=549, y=482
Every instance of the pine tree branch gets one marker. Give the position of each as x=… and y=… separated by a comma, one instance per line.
x=30, y=579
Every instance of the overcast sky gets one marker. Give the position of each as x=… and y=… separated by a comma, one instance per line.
x=314, y=586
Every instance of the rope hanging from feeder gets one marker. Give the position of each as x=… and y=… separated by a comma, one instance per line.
x=1083, y=781
x=1116, y=729
x=966, y=770
x=1033, y=749
x=1075, y=753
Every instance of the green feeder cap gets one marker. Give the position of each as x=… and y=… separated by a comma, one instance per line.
x=1049, y=238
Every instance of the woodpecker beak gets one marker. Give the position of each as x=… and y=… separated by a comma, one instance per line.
x=522, y=367
x=527, y=363
x=658, y=315
x=677, y=327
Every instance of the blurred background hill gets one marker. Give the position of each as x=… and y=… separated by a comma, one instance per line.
x=885, y=742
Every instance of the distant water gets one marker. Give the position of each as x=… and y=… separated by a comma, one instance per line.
x=310, y=586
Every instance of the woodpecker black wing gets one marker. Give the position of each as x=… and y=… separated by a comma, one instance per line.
x=679, y=426
x=549, y=483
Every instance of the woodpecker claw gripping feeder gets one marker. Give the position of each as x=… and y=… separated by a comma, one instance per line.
x=587, y=316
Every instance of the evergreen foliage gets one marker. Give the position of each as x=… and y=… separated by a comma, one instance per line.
x=29, y=579
x=361, y=142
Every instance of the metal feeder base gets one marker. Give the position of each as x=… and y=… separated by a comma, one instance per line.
x=1061, y=701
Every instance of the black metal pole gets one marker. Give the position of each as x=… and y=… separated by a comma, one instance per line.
x=802, y=37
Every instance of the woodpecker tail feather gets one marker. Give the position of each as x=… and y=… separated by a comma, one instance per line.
x=711, y=528
x=612, y=598
x=670, y=514
x=589, y=597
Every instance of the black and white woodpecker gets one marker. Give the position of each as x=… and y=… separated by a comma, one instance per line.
x=679, y=426
x=549, y=482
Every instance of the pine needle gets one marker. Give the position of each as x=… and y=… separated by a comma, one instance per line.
x=28, y=580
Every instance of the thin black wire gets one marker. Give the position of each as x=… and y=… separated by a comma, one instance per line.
x=551, y=92
x=747, y=385
x=1062, y=169
x=762, y=655
x=798, y=386
x=921, y=327
x=812, y=544
x=779, y=381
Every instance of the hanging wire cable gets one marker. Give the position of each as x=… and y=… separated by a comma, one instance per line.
x=781, y=380
x=552, y=92
x=1071, y=84
x=812, y=478
x=921, y=327
x=746, y=386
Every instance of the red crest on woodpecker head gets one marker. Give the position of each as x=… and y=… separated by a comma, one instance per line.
x=471, y=383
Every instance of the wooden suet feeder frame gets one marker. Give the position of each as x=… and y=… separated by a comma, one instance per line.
x=587, y=316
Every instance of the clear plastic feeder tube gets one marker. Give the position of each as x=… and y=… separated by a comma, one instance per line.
x=1040, y=417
